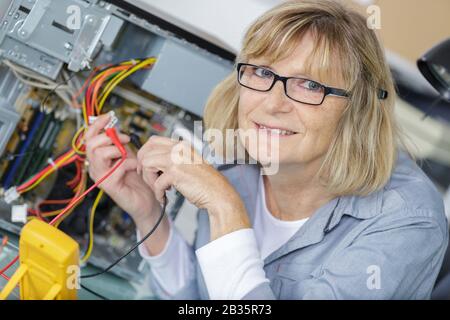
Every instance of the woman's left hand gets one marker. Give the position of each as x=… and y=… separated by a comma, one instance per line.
x=164, y=162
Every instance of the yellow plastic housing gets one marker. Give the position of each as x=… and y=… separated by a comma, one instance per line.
x=49, y=264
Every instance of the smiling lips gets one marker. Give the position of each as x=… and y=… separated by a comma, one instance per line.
x=273, y=130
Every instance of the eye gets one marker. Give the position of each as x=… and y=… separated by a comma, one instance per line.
x=263, y=73
x=311, y=85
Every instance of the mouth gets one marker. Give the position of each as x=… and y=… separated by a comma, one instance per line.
x=273, y=130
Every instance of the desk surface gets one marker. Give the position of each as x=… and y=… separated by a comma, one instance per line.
x=108, y=285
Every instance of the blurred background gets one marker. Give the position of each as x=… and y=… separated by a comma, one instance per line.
x=45, y=60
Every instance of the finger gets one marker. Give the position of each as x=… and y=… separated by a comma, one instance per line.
x=151, y=150
x=183, y=152
x=106, y=154
x=153, y=153
x=100, y=161
x=161, y=185
x=156, y=162
x=153, y=167
x=150, y=176
x=97, y=126
x=119, y=173
x=160, y=140
x=157, y=152
x=153, y=142
x=103, y=140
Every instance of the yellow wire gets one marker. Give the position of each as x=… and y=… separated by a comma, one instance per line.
x=104, y=95
x=74, y=141
x=95, y=78
x=119, y=74
x=85, y=112
x=91, y=227
x=115, y=82
x=122, y=76
x=110, y=82
x=53, y=169
x=46, y=215
x=86, y=120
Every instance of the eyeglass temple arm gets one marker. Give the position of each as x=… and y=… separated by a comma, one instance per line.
x=382, y=94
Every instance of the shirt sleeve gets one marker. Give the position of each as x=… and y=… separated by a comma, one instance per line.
x=173, y=266
x=231, y=265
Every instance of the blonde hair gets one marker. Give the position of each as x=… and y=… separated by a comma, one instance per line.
x=362, y=155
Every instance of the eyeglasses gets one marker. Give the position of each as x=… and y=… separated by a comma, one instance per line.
x=298, y=89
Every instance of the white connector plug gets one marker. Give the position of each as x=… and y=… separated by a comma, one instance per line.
x=113, y=120
x=11, y=195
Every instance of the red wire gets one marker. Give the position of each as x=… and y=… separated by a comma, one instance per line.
x=73, y=183
x=88, y=100
x=74, y=201
x=94, y=71
x=9, y=265
x=112, y=134
x=62, y=201
x=45, y=170
x=39, y=215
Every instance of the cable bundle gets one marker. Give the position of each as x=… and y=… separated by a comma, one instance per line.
x=95, y=90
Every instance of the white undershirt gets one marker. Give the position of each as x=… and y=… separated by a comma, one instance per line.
x=232, y=265
x=271, y=233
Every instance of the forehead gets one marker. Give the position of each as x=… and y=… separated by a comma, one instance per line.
x=307, y=56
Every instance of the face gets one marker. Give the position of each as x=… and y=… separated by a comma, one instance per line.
x=310, y=128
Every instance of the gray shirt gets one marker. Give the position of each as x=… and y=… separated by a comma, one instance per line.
x=387, y=245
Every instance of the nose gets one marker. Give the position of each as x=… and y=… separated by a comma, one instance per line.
x=277, y=101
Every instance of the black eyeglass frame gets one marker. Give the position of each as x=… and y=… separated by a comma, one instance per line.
x=382, y=94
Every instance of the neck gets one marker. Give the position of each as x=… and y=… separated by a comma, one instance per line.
x=294, y=192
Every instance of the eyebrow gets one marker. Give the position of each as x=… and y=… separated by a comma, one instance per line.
x=298, y=74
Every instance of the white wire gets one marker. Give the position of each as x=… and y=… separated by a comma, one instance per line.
x=64, y=91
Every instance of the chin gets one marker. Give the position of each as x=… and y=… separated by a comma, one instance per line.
x=266, y=156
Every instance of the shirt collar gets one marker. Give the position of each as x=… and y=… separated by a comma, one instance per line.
x=245, y=180
x=359, y=207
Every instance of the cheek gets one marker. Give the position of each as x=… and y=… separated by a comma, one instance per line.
x=320, y=129
x=248, y=102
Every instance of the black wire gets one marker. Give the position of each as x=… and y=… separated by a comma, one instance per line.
x=163, y=210
x=93, y=292
x=55, y=88
x=135, y=140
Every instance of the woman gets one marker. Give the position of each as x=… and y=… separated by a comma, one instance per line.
x=346, y=216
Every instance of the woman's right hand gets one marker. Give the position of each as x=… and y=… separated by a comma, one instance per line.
x=124, y=186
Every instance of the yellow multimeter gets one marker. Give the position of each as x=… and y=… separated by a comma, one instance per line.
x=49, y=264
